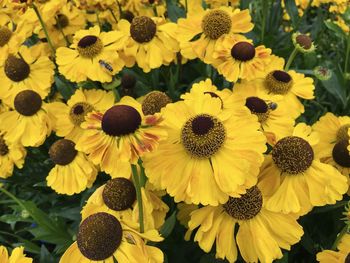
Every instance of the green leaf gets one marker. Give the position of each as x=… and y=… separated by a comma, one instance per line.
x=45, y=255
x=210, y=258
x=335, y=28
x=174, y=11
x=334, y=87
x=292, y=11
x=169, y=225
x=112, y=85
x=64, y=87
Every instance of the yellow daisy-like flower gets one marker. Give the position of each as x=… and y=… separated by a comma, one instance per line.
x=217, y=154
x=120, y=136
x=73, y=172
x=103, y=238
x=93, y=55
x=211, y=26
x=218, y=3
x=237, y=58
x=28, y=123
x=295, y=179
x=261, y=233
x=11, y=154
x=118, y=197
x=28, y=70
x=17, y=256
x=67, y=118
x=148, y=8
x=340, y=256
x=149, y=42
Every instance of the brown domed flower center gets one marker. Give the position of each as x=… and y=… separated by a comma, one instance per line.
x=128, y=81
x=3, y=147
x=216, y=23
x=214, y=95
x=341, y=154
x=342, y=133
x=347, y=259
x=203, y=135
x=5, y=35
x=278, y=82
x=154, y=102
x=293, y=155
x=121, y=120
x=143, y=29
x=62, y=152
x=258, y=107
x=62, y=21
x=119, y=194
x=79, y=111
x=99, y=236
x=243, y=51
x=27, y=102
x=304, y=41
x=127, y=15
x=16, y=69
x=90, y=46
x=247, y=206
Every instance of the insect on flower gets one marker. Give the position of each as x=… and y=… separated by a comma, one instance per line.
x=106, y=65
x=272, y=105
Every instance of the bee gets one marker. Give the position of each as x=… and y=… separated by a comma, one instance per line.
x=272, y=105
x=106, y=65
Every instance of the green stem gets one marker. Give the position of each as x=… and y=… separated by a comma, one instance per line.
x=120, y=9
x=61, y=30
x=347, y=55
x=341, y=234
x=264, y=14
x=136, y=180
x=291, y=58
x=98, y=19
x=186, y=7
x=14, y=198
x=114, y=17
x=155, y=11
x=44, y=28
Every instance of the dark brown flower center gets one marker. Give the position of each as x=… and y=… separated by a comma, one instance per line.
x=16, y=69
x=143, y=29
x=128, y=81
x=203, y=135
x=5, y=35
x=341, y=154
x=119, y=194
x=347, y=259
x=154, y=102
x=304, y=41
x=243, y=51
x=247, y=206
x=127, y=15
x=90, y=46
x=216, y=23
x=99, y=236
x=79, y=111
x=63, y=152
x=27, y=102
x=121, y=120
x=258, y=107
x=293, y=155
x=278, y=82
x=342, y=133
x=3, y=147
x=62, y=21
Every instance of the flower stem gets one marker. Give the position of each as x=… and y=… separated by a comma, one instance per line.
x=347, y=55
x=61, y=30
x=120, y=9
x=136, y=180
x=14, y=198
x=291, y=58
x=44, y=28
x=340, y=235
x=186, y=7
x=114, y=17
x=98, y=19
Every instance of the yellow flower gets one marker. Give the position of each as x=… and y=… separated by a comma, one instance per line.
x=340, y=256
x=73, y=172
x=68, y=117
x=149, y=42
x=294, y=177
x=89, y=55
x=119, y=136
x=218, y=3
x=145, y=7
x=29, y=70
x=210, y=26
x=28, y=123
x=17, y=256
x=261, y=233
x=103, y=238
x=217, y=154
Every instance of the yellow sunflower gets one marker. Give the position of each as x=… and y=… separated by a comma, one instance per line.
x=149, y=42
x=17, y=256
x=119, y=136
x=68, y=117
x=294, y=177
x=210, y=26
x=261, y=233
x=103, y=238
x=217, y=154
x=237, y=58
x=118, y=197
x=29, y=123
x=27, y=70
x=73, y=172
x=147, y=8
x=340, y=256
x=11, y=154
x=92, y=56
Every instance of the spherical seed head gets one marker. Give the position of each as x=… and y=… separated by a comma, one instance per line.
x=27, y=102
x=341, y=154
x=99, y=236
x=16, y=69
x=154, y=102
x=247, y=206
x=119, y=194
x=3, y=147
x=143, y=29
x=342, y=133
x=63, y=152
x=89, y=46
x=304, y=41
x=62, y=21
x=5, y=35
x=127, y=15
x=216, y=23
x=258, y=107
x=203, y=135
x=243, y=51
x=278, y=82
x=293, y=155
x=79, y=111
x=121, y=120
